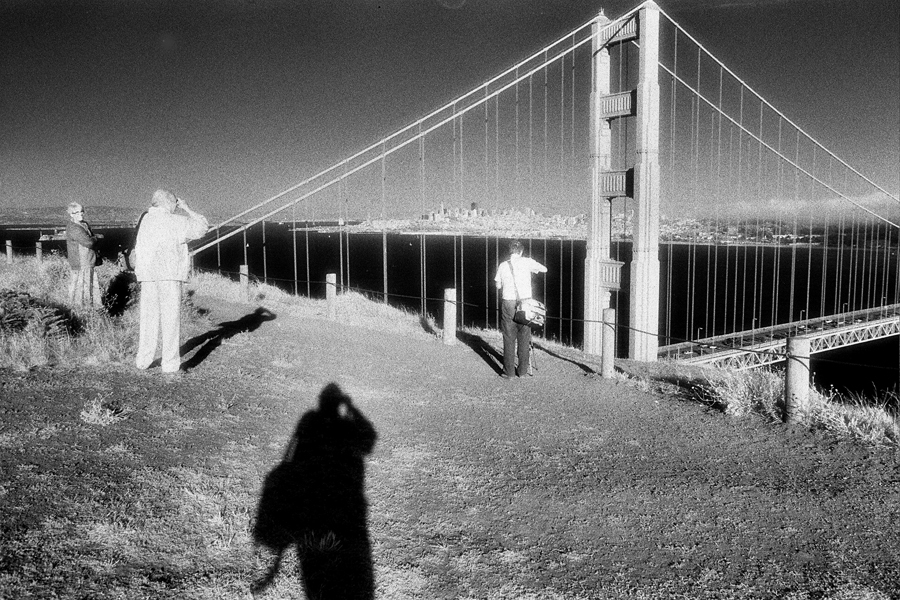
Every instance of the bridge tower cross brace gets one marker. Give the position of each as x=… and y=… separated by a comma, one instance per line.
x=602, y=274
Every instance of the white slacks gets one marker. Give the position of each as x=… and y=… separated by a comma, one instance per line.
x=160, y=310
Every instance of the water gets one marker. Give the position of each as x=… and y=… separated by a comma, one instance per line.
x=713, y=289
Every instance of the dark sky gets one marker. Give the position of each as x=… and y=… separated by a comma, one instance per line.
x=230, y=101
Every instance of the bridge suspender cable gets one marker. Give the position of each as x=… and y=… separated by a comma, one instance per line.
x=559, y=56
x=790, y=161
x=779, y=113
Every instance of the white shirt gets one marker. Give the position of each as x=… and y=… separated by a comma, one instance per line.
x=161, y=246
x=522, y=267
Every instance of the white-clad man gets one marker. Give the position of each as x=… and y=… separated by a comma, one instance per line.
x=513, y=279
x=162, y=264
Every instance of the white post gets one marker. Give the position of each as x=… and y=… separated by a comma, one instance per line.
x=643, y=339
x=608, y=358
x=450, y=316
x=38, y=251
x=245, y=281
x=331, y=295
x=796, y=380
x=9, y=252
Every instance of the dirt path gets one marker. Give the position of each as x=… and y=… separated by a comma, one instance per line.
x=560, y=486
x=633, y=486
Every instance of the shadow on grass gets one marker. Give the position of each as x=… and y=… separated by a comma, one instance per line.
x=209, y=341
x=121, y=292
x=315, y=501
x=584, y=367
x=428, y=326
x=482, y=348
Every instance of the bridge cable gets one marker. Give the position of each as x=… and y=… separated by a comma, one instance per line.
x=744, y=84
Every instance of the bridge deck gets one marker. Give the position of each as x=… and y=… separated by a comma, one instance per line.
x=765, y=346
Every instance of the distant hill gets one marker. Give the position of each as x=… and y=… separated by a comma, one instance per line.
x=56, y=215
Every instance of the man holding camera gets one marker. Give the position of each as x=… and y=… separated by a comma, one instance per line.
x=513, y=279
x=161, y=265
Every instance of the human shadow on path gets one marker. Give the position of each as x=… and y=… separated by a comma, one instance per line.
x=315, y=502
x=489, y=354
x=209, y=341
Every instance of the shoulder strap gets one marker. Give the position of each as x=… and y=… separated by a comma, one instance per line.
x=137, y=228
x=515, y=283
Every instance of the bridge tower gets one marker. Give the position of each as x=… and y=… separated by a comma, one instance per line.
x=602, y=274
x=643, y=341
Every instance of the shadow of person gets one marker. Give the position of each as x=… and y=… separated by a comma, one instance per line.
x=209, y=341
x=315, y=501
x=121, y=292
x=488, y=353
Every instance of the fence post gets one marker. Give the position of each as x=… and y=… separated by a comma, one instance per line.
x=608, y=341
x=331, y=295
x=384, y=263
x=245, y=281
x=796, y=380
x=9, y=252
x=450, y=316
x=38, y=251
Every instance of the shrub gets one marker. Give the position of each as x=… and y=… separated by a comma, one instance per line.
x=20, y=311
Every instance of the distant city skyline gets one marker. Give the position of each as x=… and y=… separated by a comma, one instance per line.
x=230, y=102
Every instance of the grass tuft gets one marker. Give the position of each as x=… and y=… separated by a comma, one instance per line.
x=872, y=419
x=103, y=410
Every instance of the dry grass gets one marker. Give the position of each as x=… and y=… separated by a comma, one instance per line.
x=874, y=420
x=351, y=308
x=110, y=498
x=95, y=338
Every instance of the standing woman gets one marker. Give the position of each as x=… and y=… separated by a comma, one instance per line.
x=161, y=266
x=84, y=289
x=513, y=279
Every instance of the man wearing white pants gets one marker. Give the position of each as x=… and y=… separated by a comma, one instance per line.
x=162, y=264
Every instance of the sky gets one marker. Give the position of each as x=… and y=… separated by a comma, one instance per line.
x=227, y=102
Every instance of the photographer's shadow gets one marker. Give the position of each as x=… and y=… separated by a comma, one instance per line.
x=209, y=341
x=315, y=501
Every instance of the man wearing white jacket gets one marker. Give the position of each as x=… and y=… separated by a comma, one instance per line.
x=161, y=265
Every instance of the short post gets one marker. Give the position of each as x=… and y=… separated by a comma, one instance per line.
x=608, y=349
x=245, y=281
x=9, y=252
x=450, y=316
x=796, y=380
x=331, y=295
x=38, y=251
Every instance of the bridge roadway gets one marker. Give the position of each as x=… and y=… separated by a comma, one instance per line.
x=766, y=346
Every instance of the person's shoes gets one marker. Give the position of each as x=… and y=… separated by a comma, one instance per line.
x=505, y=376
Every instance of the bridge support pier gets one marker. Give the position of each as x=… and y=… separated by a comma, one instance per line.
x=796, y=380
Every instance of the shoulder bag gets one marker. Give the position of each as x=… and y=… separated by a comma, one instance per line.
x=528, y=310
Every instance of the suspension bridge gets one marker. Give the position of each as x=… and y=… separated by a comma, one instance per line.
x=716, y=226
